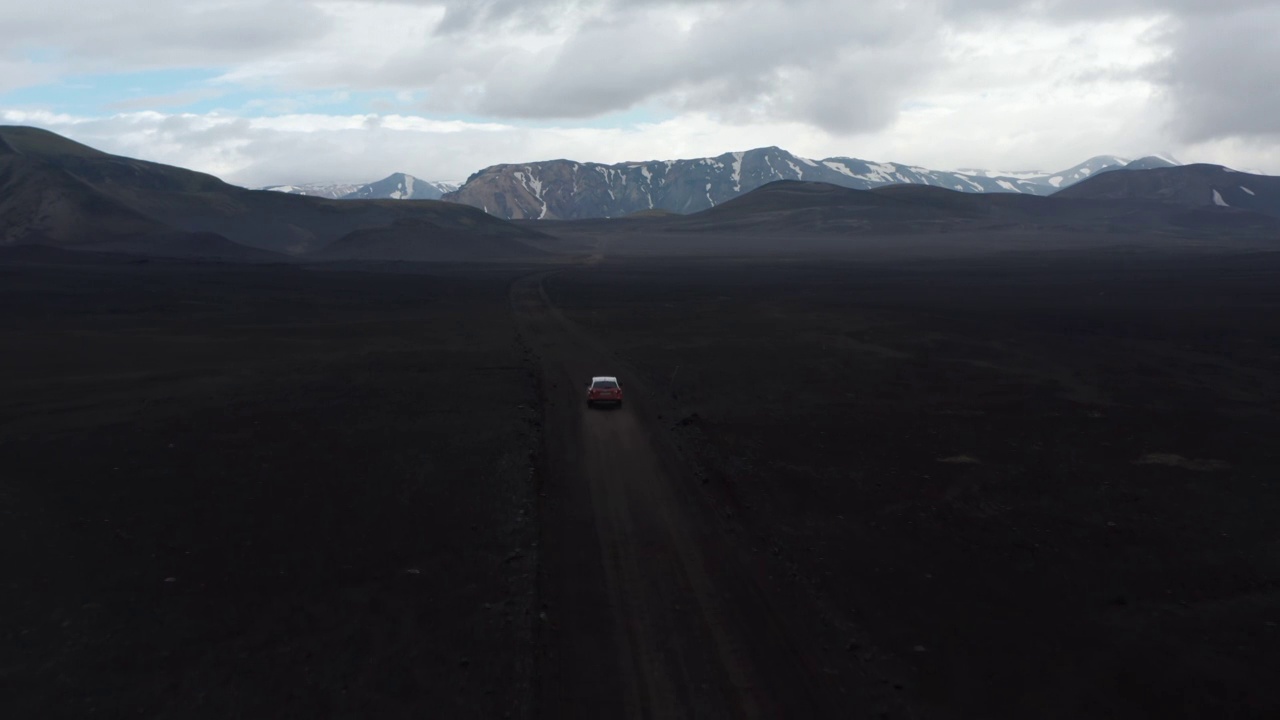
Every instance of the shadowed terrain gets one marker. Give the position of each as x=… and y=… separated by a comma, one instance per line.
x=1200, y=186
x=890, y=453
x=62, y=193
x=1033, y=485
x=236, y=491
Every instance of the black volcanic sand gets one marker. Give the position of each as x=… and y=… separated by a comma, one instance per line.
x=1045, y=484
x=263, y=492
x=1012, y=485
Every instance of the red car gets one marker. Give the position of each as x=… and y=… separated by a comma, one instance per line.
x=604, y=389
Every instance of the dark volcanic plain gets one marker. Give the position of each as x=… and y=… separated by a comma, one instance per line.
x=262, y=491
x=1031, y=484
x=972, y=468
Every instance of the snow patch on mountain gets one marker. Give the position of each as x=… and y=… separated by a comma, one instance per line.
x=606, y=173
x=534, y=186
x=694, y=184
x=992, y=174
x=839, y=167
x=883, y=169
x=332, y=191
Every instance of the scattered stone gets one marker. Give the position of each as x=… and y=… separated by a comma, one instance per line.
x=1171, y=460
x=960, y=460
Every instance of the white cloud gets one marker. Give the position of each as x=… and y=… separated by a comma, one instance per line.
x=1222, y=78
x=322, y=148
x=83, y=36
x=939, y=83
x=1027, y=94
x=21, y=72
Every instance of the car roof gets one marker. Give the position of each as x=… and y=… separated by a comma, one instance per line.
x=610, y=378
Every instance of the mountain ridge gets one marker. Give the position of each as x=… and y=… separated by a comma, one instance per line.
x=1199, y=185
x=801, y=208
x=56, y=192
x=568, y=189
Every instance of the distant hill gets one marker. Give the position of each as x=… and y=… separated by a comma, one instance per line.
x=795, y=208
x=421, y=240
x=823, y=208
x=565, y=189
x=1195, y=186
x=59, y=192
x=398, y=186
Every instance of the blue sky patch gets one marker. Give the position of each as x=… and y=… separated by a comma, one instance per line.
x=188, y=91
x=198, y=91
x=171, y=90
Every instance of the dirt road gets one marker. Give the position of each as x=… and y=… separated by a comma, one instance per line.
x=655, y=605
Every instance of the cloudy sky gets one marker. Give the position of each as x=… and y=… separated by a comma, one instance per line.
x=288, y=91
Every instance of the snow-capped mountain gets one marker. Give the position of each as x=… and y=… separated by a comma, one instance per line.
x=1152, y=162
x=333, y=191
x=398, y=186
x=1081, y=172
x=401, y=186
x=565, y=189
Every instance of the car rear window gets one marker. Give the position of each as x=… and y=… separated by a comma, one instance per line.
x=606, y=384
